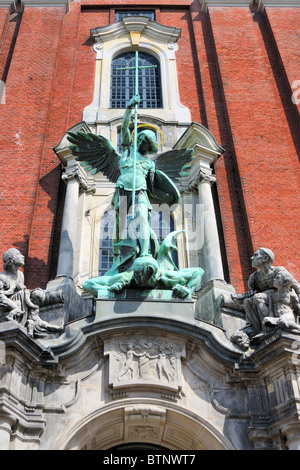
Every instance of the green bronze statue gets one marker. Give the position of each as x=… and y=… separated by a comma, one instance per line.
x=150, y=273
x=140, y=181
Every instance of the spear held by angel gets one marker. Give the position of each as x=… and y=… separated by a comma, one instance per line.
x=153, y=180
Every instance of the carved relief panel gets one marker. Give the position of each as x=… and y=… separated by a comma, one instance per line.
x=144, y=360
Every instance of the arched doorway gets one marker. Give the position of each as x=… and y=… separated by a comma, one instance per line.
x=137, y=446
x=137, y=424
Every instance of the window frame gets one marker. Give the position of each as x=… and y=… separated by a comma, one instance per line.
x=120, y=14
x=151, y=90
x=153, y=38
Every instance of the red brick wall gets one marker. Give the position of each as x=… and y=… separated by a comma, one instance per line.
x=284, y=24
x=235, y=72
x=23, y=120
x=72, y=91
x=4, y=21
x=265, y=154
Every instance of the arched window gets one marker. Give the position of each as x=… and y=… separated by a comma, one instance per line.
x=122, y=81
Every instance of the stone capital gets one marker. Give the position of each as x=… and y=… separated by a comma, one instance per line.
x=205, y=177
x=198, y=177
x=74, y=173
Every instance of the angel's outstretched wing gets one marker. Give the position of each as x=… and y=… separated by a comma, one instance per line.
x=96, y=153
x=175, y=163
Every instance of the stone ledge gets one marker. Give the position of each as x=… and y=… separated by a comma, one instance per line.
x=110, y=309
x=247, y=3
x=11, y=4
x=46, y=3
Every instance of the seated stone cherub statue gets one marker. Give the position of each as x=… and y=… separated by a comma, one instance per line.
x=284, y=303
x=273, y=299
x=15, y=302
x=36, y=327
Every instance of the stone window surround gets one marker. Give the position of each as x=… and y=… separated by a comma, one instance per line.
x=11, y=4
x=150, y=37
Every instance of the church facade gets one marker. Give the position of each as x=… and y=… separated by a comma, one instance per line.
x=206, y=363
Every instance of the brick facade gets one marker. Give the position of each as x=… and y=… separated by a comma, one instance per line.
x=236, y=67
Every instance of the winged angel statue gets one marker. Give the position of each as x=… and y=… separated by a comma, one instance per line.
x=140, y=181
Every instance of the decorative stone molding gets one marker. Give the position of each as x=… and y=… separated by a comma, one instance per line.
x=75, y=173
x=144, y=422
x=139, y=361
x=8, y=4
x=134, y=24
x=46, y=3
x=224, y=3
x=62, y=149
x=206, y=152
x=247, y=3
x=262, y=4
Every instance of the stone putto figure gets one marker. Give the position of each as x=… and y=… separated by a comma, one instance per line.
x=15, y=299
x=272, y=301
x=15, y=302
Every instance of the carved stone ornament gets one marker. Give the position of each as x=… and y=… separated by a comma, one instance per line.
x=18, y=304
x=273, y=301
x=144, y=360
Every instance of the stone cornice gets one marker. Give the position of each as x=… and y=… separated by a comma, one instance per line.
x=246, y=3
x=224, y=3
x=11, y=4
x=46, y=3
x=277, y=3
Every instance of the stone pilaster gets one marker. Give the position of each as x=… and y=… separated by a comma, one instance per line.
x=212, y=252
x=76, y=182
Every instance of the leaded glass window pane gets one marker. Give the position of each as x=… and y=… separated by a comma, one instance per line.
x=121, y=14
x=106, y=237
x=122, y=81
x=162, y=224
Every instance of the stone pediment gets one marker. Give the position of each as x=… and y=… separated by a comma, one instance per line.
x=136, y=24
x=202, y=141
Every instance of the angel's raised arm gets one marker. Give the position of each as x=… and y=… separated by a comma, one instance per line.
x=125, y=133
